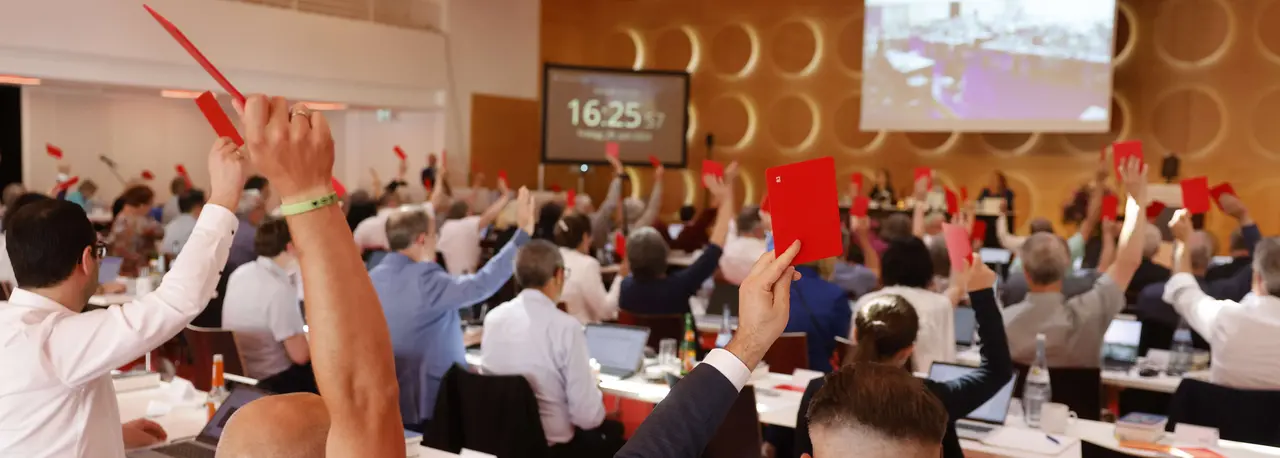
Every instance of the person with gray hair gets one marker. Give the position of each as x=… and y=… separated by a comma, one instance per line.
x=1074, y=327
x=1241, y=252
x=530, y=336
x=10, y=194
x=1240, y=333
x=1148, y=273
x=250, y=211
x=601, y=217
x=649, y=290
x=743, y=245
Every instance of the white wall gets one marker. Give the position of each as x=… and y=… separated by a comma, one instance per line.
x=141, y=130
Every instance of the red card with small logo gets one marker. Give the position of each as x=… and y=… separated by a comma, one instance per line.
x=1109, y=207
x=859, y=207
x=620, y=244
x=1218, y=191
x=979, y=231
x=953, y=201
x=399, y=152
x=217, y=118
x=1155, y=209
x=856, y=179
x=197, y=55
x=925, y=173
x=653, y=160
x=53, y=151
x=805, y=206
x=338, y=187
x=147, y=175
x=570, y=197
x=1195, y=195
x=611, y=149
x=710, y=167
x=1124, y=151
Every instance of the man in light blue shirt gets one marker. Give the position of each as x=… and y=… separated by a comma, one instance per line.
x=420, y=301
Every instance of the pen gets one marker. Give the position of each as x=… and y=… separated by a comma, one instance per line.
x=1051, y=439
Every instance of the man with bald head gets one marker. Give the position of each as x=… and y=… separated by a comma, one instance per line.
x=284, y=426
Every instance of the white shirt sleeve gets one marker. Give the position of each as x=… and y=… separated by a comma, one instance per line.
x=1200, y=310
x=284, y=316
x=600, y=304
x=85, y=346
x=586, y=410
x=729, y=365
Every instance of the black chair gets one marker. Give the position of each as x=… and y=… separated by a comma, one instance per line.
x=494, y=414
x=1240, y=415
x=1079, y=388
x=739, y=433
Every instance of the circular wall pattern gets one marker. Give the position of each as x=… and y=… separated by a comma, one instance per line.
x=692, y=131
x=1262, y=127
x=622, y=48
x=734, y=50
x=795, y=48
x=1010, y=143
x=733, y=120
x=848, y=45
x=933, y=143
x=845, y=123
x=1265, y=35
x=1215, y=28
x=793, y=122
x=1120, y=124
x=673, y=50
x=1189, y=120
x=1125, y=33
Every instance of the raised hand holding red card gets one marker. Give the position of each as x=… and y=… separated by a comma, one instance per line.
x=1125, y=150
x=953, y=201
x=611, y=149
x=1221, y=190
x=197, y=55
x=53, y=151
x=400, y=153
x=218, y=118
x=570, y=198
x=710, y=167
x=1109, y=204
x=860, y=206
x=653, y=160
x=1195, y=195
x=924, y=173
x=856, y=179
x=804, y=204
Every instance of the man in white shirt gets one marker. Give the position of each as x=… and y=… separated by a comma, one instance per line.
x=371, y=234
x=262, y=310
x=1241, y=335
x=745, y=244
x=56, y=399
x=179, y=229
x=528, y=336
x=460, y=233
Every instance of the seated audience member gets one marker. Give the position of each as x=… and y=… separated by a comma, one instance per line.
x=172, y=207
x=1149, y=273
x=7, y=279
x=83, y=196
x=882, y=190
x=649, y=290
x=1240, y=334
x=358, y=415
x=460, y=233
x=1241, y=257
x=907, y=272
x=584, y=295
x=859, y=272
x=683, y=423
x=819, y=309
x=371, y=233
x=1074, y=327
x=1089, y=217
x=421, y=302
x=250, y=212
x=886, y=331
x=1151, y=305
x=876, y=410
x=179, y=229
x=134, y=232
x=528, y=336
x=56, y=398
x=743, y=246
x=262, y=310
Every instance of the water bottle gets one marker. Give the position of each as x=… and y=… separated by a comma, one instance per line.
x=1180, y=350
x=726, y=330
x=1036, y=392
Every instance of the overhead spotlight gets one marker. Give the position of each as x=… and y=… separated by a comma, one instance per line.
x=324, y=106
x=19, y=80
x=179, y=94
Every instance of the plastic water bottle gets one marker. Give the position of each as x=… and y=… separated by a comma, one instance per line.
x=726, y=330
x=1180, y=350
x=1037, y=391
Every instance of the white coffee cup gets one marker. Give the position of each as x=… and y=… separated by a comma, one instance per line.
x=1054, y=417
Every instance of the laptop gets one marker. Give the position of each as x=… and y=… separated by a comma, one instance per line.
x=619, y=349
x=205, y=444
x=966, y=323
x=109, y=269
x=988, y=417
x=1120, y=344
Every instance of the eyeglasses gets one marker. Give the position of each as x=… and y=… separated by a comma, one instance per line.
x=99, y=250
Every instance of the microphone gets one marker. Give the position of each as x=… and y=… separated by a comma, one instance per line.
x=711, y=141
x=107, y=160
x=1169, y=167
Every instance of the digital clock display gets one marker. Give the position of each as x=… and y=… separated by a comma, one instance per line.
x=645, y=112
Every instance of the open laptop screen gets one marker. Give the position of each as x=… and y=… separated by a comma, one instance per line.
x=617, y=346
x=966, y=324
x=995, y=409
x=109, y=269
x=1120, y=343
x=239, y=396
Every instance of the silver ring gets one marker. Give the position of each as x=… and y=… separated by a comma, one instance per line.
x=302, y=111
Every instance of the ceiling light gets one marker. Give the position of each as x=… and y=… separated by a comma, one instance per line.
x=179, y=94
x=324, y=106
x=19, y=80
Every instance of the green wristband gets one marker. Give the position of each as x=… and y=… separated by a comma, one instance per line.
x=306, y=206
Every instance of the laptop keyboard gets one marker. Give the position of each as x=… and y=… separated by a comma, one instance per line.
x=185, y=450
x=977, y=431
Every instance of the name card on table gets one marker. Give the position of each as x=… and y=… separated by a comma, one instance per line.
x=1185, y=434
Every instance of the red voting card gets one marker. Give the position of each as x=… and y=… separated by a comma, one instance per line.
x=856, y=179
x=953, y=201
x=147, y=175
x=859, y=207
x=182, y=172
x=620, y=244
x=338, y=187
x=805, y=206
x=964, y=193
x=53, y=151
x=655, y=162
x=1195, y=195
x=1125, y=150
x=197, y=55
x=959, y=247
x=611, y=149
x=570, y=197
x=925, y=173
x=979, y=231
x=426, y=183
x=1109, y=204
x=555, y=188
x=502, y=175
x=1218, y=191
x=217, y=118
x=1155, y=209
x=710, y=167
x=63, y=186
x=399, y=153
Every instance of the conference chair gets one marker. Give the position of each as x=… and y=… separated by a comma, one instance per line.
x=494, y=414
x=669, y=326
x=1240, y=415
x=788, y=353
x=202, y=344
x=1080, y=388
x=739, y=433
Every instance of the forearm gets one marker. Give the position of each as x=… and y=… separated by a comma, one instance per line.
x=492, y=212
x=1181, y=258
x=917, y=218
x=1093, y=212
x=654, y=207
x=1108, y=255
x=350, y=344
x=1129, y=251
x=724, y=214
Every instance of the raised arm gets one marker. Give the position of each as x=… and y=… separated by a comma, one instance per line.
x=1093, y=211
x=654, y=207
x=496, y=207
x=1183, y=291
x=612, y=198
x=920, y=208
x=438, y=192
x=350, y=345
x=963, y=395
x=1133, y=234
x=1110, y=231
x=861, y=228
x=467, y=290
x=723, y=190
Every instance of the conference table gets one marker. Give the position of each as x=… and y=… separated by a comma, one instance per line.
x=1162, y=383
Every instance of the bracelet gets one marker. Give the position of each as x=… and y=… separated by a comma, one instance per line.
x=309, y=205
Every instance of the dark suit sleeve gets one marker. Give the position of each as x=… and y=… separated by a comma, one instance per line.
x=683, y=423
x=690, y=279
x=962, y=395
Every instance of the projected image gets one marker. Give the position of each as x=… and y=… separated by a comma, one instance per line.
x=989, y=65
